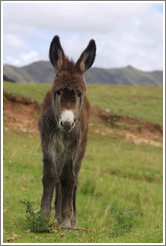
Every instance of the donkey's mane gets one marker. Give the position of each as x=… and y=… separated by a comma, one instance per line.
x=69, y=66
x=68, y=78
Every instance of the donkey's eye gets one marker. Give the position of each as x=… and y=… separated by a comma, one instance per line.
x=58, y=92
x=79, y=94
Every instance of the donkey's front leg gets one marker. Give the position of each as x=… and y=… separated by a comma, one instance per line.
x=49, y=179
x=58, y=202
x=73, y=221
x=67, y=187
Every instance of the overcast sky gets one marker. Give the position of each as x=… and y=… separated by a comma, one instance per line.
x=126, y=33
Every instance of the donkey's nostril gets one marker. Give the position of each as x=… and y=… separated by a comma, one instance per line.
x=67, y=126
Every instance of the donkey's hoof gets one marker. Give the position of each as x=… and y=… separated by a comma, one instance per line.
x=66, y=223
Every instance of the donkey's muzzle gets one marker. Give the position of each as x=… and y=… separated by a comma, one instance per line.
x=67, y=126
x=67, y=120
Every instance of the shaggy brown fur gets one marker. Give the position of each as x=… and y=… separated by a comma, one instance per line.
x=70, y=81
x=63, y=127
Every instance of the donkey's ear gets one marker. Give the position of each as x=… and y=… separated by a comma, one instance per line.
x=87, y=57
x=56, y=53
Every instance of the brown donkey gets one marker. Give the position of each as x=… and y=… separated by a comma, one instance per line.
x=63, y=127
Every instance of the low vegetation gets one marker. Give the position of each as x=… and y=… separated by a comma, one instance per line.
x=120, y=193
x=140, y=102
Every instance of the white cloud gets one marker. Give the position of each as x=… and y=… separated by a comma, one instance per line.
x=125, y=33
x=24, y=58
x=32, y=55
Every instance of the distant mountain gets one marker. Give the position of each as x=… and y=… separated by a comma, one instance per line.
x=7, y=79
x=42, y=71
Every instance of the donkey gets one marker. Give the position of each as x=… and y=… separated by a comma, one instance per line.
x=63, y=127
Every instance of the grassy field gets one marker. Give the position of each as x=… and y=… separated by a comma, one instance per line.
x=140, y=102
x=120, y=194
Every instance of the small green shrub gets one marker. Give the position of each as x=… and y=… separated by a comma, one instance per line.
x=37, y=221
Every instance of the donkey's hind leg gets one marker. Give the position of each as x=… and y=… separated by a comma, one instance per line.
x=49, y=178
x=58, y=202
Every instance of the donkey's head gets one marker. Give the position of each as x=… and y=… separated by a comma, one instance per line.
x=69, y=86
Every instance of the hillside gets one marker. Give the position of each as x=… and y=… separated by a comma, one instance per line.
x=120, y=193
x=42, y=71
x=140, y=102
x=35, y=72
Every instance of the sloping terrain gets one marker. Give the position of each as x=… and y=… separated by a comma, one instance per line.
x=22, y=114
x=43, y=71
x=36, y=72
x=120, y=193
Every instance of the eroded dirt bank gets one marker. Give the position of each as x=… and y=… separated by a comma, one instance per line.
x=22, y=114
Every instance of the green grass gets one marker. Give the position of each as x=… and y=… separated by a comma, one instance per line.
x=140, y=102
x=120, y=194
x=35, y=91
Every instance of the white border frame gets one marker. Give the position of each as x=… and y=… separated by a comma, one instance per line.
x=163, y=2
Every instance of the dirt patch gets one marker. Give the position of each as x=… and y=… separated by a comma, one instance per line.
x=128, y=128
x=126, y=122
x=22, y=114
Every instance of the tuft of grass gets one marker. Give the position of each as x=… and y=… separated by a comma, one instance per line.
x=123, y=221
x=37, y=221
